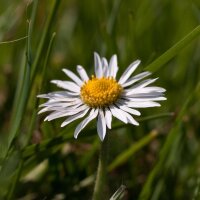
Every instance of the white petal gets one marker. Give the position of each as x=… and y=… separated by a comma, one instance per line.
x=67, y=112
x=144, y=90
x=61, y=104
x=74, y=117
x=55, y=94
x=91, y=116
x=131, y=120
x=68, y=85
x=118, y=114
x=113, y=66
x=43, y=110
x=129, y=110
x=142, y=99
x=98, y=66
x=143, y=95
x=101, y=125
x=82, y=73
x=62, y=99
x=108, y=118
x=129, y=71
x=105, y=67
x=60, y=109
x=143, y=83
x=136, y=78
x=73, y=76
x=142, y=104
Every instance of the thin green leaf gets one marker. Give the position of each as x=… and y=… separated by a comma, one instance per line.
x=44, y=37
x=173, y=51
x=125, y=155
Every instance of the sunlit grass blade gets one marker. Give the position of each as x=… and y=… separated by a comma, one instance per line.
x=13, y=41
x=21, y=95
x=125, y=155
x=173, y=51
x=119, y=194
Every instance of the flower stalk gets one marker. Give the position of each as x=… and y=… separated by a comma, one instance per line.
x=101, y=171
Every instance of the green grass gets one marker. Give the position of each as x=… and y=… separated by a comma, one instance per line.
x=164, y=35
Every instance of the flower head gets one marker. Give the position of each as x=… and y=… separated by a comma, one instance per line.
x=102, y=96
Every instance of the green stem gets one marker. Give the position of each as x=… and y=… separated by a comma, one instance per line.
x=101, y=171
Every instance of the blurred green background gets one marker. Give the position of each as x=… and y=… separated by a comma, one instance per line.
x=132, y=29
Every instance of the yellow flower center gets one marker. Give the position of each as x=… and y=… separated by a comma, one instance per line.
x=100, y=92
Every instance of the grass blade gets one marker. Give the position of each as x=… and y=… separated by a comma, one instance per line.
x=173, y=51
x=125, y=155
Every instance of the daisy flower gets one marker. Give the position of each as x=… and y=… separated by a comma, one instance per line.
x=102, y=96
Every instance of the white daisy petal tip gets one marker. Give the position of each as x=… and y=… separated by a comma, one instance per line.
x=40, y=96
x=54, y=81
x=82, y=73
x=98, y=65
x=96, y=54
x=101, y=125
x=137, y=124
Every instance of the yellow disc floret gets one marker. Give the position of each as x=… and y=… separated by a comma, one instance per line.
x=100, y=92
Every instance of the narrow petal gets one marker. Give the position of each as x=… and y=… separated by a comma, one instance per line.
x=93, y=114
x=129, y=110
x=131, y=120
x=75, y=117
x=98, y=66
x=143, y=99
x=73, y=76
x=82, y=73
x=144, y=83
x=136, y=78
x=105, y=67
x=68, y=85
x=60, y=109
x=55, y=95
x=143, y=95
x=118, y=114
x=113, y=66
x=142, y=104
x=144, y=90
x=62, y=104
x=108, y=118
x=62, y=99
x=129, y=71
x=43, y=110
x=101, y=125
x=67, y=112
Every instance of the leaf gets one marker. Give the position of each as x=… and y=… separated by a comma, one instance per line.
x=173, y=51
x=125, y=155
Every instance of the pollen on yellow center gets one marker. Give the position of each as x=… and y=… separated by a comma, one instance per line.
x=100, y=92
